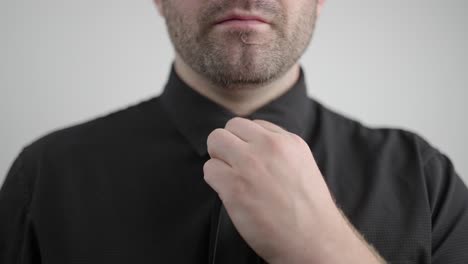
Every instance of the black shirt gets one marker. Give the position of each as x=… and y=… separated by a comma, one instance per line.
x=128, y=187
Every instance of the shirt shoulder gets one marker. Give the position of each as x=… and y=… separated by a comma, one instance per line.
x=353, y=134
x=102, y=135
x=396, y=187
x=135, y=121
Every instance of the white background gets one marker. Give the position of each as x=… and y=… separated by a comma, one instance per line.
x=386, y=63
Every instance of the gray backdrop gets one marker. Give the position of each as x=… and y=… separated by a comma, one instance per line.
x=386, y=63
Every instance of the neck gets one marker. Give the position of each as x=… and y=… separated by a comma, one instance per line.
x=244, y=100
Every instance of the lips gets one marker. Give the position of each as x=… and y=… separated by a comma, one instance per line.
x=241, y=17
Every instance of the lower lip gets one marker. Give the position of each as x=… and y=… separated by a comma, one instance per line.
x=236, y=23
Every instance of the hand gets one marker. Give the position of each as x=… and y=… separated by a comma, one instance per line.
x=275, y=194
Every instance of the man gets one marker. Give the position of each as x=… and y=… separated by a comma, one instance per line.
x=233, y=163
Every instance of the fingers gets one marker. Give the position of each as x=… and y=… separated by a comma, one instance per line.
x=270, y=126
x=224, y=145
x=245, y=129
x=230, y=144
x=218, y=174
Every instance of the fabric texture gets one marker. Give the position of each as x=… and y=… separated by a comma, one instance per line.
x=128, y=187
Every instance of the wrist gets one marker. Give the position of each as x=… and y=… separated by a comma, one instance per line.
x=335, y=242
x=344, y=244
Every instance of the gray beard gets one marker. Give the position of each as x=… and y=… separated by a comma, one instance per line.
x=254, y=63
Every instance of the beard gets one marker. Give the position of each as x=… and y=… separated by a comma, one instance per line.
x=240, y=57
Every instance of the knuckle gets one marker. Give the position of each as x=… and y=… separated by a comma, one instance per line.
x=215, y=135
x=207, y=170
x=282, y=146
x=250, y=163
x=208, y=166
x=269, y=139
x=296, y=139
x=274, y=142
x=235, y=121
x=237, y=191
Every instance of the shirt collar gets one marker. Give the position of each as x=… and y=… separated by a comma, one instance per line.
x=195, y=116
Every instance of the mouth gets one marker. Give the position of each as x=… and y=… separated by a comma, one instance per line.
x=241, y=20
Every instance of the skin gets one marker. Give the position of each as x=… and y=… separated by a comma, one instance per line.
x=266, y=177
x=218, y=63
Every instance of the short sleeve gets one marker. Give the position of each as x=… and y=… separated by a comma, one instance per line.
x=448, y=198
x=18, y=244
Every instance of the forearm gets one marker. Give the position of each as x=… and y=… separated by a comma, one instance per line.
x=339, y=243
x=366, y=253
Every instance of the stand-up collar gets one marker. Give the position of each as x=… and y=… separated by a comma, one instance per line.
x=196, y=116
